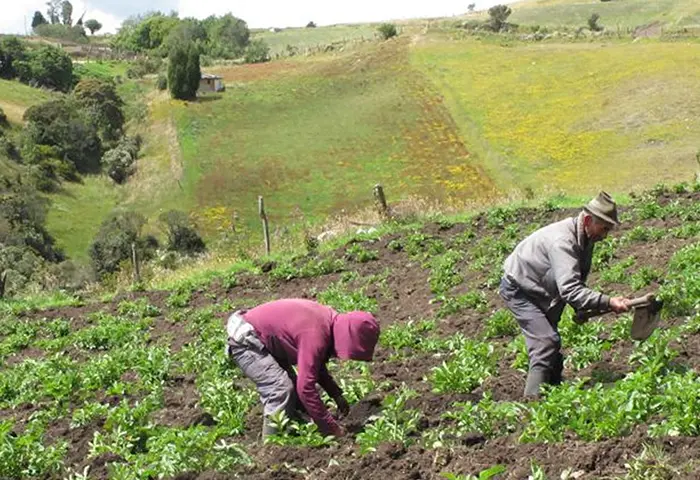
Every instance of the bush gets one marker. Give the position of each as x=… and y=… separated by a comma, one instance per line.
x=387, y=31
x=118, y=164
x=593, y=23
x=62, y=124
x=12, y=51
x=75, y=33
x=498, y=15
x=162, y=82
x=184, y=73
x=257, y=52
x=144, y=66
x=99, y=99
x=47, y=66
x=182, y=237
x=3, y=120
x=112, y=244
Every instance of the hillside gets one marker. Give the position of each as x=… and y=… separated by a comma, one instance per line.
x=624, y=14
x=138, y=384
x=16, y=97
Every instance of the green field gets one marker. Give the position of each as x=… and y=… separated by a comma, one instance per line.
x=16, y=97
x=573, y=116
x=309, y=38
x=613, y=14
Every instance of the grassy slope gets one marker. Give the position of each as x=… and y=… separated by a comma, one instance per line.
x=303, y=38
x=572, y=116
x=16, y=97
x=625, y=14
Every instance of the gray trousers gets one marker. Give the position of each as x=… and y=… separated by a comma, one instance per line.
x=541, y=336
x=274, y=384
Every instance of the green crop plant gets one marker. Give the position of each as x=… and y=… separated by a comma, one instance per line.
x=418, y=246
x=649, y=209
x=486, y=474
x=139, y=308
x=499, y=217
x=584, y=341
x=343, y=299
x=58, y=328
x=409, y=335
x=687, y=230
x=518, y=349
x=26, y=456
x=226, y=404
x=290, y=432
x=22, y=337
x=110, y=332
x=312, y=268
x=681, y=289
x=87, y=413
x=487, y=417
x=172, y=451
x=360, y=254
x=679, y=405
x=644, y=234
x=103, y=371
x=444, y=274
x=616, y=273
x=643, y=277
x=474, y=300
x=179, y=298
x=620, y=329
x=595, y=413
x=501, y=324
x=394, y=424
x=604, y=252
x=466, y=369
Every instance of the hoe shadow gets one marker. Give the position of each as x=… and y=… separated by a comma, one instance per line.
x=361, y=413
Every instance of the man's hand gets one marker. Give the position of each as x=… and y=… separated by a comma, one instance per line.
x=343, y=406
x=619, y=304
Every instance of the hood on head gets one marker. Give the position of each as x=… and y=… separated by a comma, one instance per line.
x=354, y=335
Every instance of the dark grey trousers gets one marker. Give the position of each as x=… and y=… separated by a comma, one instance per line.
x=273, y=383
x=541, y=336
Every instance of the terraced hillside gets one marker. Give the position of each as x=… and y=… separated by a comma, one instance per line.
x=137, y=386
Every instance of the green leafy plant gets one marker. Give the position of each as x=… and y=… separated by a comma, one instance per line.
x=466, y=369
x=394, y=424
x=487, y=417
x=290, y=432
x=487, y=474
x=360, y=254
x=501, y=324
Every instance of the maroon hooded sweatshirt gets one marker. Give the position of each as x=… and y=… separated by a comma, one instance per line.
x=307, y=334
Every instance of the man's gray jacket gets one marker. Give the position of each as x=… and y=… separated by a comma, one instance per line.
x=552, y=264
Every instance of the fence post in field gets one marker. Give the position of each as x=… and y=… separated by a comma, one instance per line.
x=135, y=263
x=266, y=228
x=380, y=201
x=3, y=278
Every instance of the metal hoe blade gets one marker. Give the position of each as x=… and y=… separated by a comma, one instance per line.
x=646, y=319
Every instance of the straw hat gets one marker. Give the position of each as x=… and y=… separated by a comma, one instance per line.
x=603, y=207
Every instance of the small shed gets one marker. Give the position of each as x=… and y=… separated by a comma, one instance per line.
x=211, y=83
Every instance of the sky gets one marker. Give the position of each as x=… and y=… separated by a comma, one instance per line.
x=17, y=15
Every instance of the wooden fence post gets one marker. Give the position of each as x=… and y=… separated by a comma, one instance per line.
x=3, y=279
x=135, y=263
x=380, y=201
x=266, y=228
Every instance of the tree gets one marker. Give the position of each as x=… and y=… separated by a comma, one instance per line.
x=182, y=236
x=387, y=30
x=593, y=22
x=47, y=66
x=62, y=124
x=498, y=15
x=311, y=25
x=99, y=99
x=471, y=7
x=118, y=163
x=53, y=11
x=112, y=244
x=67, y=13
x=93, y=25
x=228, y=35
x=257, y=52
x=184, y=73
x=38, y=19
x=12, y=52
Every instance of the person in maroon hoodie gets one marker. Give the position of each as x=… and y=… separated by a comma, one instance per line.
x=268, y=340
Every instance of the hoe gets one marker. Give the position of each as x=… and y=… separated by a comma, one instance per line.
x=647, y=313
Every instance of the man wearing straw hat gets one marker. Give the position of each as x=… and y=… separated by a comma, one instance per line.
x=548, y=270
